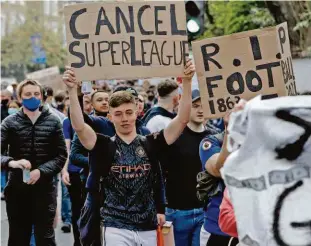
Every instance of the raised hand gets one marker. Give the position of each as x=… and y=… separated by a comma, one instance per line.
x=69, y=78
x=189, y=71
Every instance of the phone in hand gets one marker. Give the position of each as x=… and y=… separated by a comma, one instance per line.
x=86, y=87
x=26, y=175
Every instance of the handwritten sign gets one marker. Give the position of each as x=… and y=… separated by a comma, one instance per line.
x=126, y=39
x=243, y=65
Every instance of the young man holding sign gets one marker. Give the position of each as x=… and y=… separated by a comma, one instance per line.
x=134, y=202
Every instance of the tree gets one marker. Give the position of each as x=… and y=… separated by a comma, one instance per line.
x=298, y=17
x=17, y=48
x=225, y=18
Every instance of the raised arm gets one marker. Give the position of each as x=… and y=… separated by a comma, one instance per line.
x=178, y=124
x=85, y=133
x=217, y=161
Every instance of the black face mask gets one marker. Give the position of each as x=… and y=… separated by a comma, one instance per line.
x=150, y=98
x=61, y=107
x=103, y=114
x=5, y=102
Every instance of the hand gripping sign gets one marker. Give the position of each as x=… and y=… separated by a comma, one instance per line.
x=243, y=65
x=126, y=39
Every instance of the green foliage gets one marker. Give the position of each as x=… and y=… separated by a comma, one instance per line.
x=232, y=17
x=305, y=21
x=17, y=48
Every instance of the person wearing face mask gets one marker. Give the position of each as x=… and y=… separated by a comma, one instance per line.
x=151, y=98
x=14, y=107
x=26, y=140
x=6, y=97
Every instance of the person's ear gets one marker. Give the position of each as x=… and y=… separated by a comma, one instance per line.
x=109, y=117
x=176, y=99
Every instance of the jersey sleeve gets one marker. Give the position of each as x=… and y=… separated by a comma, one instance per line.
x=208, y=147
x=66, y=128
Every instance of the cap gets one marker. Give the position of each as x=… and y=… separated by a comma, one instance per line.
x=195, y=95
x=126, y=88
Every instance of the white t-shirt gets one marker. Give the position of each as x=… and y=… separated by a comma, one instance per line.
x=271, y=193
x=158, y=123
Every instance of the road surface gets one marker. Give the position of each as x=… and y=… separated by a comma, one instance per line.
x=62, y=239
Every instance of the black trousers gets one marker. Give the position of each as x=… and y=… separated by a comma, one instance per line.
x=77, y=197
x=217, y=240
x=29, y=205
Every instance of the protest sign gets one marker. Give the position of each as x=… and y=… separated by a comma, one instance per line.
x=49, y=77
x=243, y=65
x=126, y=39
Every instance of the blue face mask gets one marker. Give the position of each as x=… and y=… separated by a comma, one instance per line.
x=13, y=110
x=32, y=104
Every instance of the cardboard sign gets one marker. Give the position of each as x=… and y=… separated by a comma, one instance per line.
x=49, y=77
x=126, y=39
x=243, y=65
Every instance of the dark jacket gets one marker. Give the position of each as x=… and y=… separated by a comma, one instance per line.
x=156, y=111
x=42, y=144
x=4, y=112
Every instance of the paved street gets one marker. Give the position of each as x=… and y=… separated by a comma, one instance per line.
x=62, y=239
x=302, y=68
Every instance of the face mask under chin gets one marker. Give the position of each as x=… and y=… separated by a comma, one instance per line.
x=103, y=114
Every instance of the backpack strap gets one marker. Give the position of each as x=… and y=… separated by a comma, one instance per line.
x=158, y=187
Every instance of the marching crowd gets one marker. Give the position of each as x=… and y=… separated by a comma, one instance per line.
x=129, y=159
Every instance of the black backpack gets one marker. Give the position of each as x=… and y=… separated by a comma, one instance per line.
x=208, y=185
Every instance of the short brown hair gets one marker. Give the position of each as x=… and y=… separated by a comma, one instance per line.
x=120, y=97
x=98, y=91
x=166, y=87
x=22, y=84
x=60, y=96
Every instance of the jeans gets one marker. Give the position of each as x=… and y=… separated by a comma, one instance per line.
x=32, y=239
x=187, y=225
x=66, y=205
x=3, y=179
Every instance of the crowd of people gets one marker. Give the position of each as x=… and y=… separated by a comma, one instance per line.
x=129, y=157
